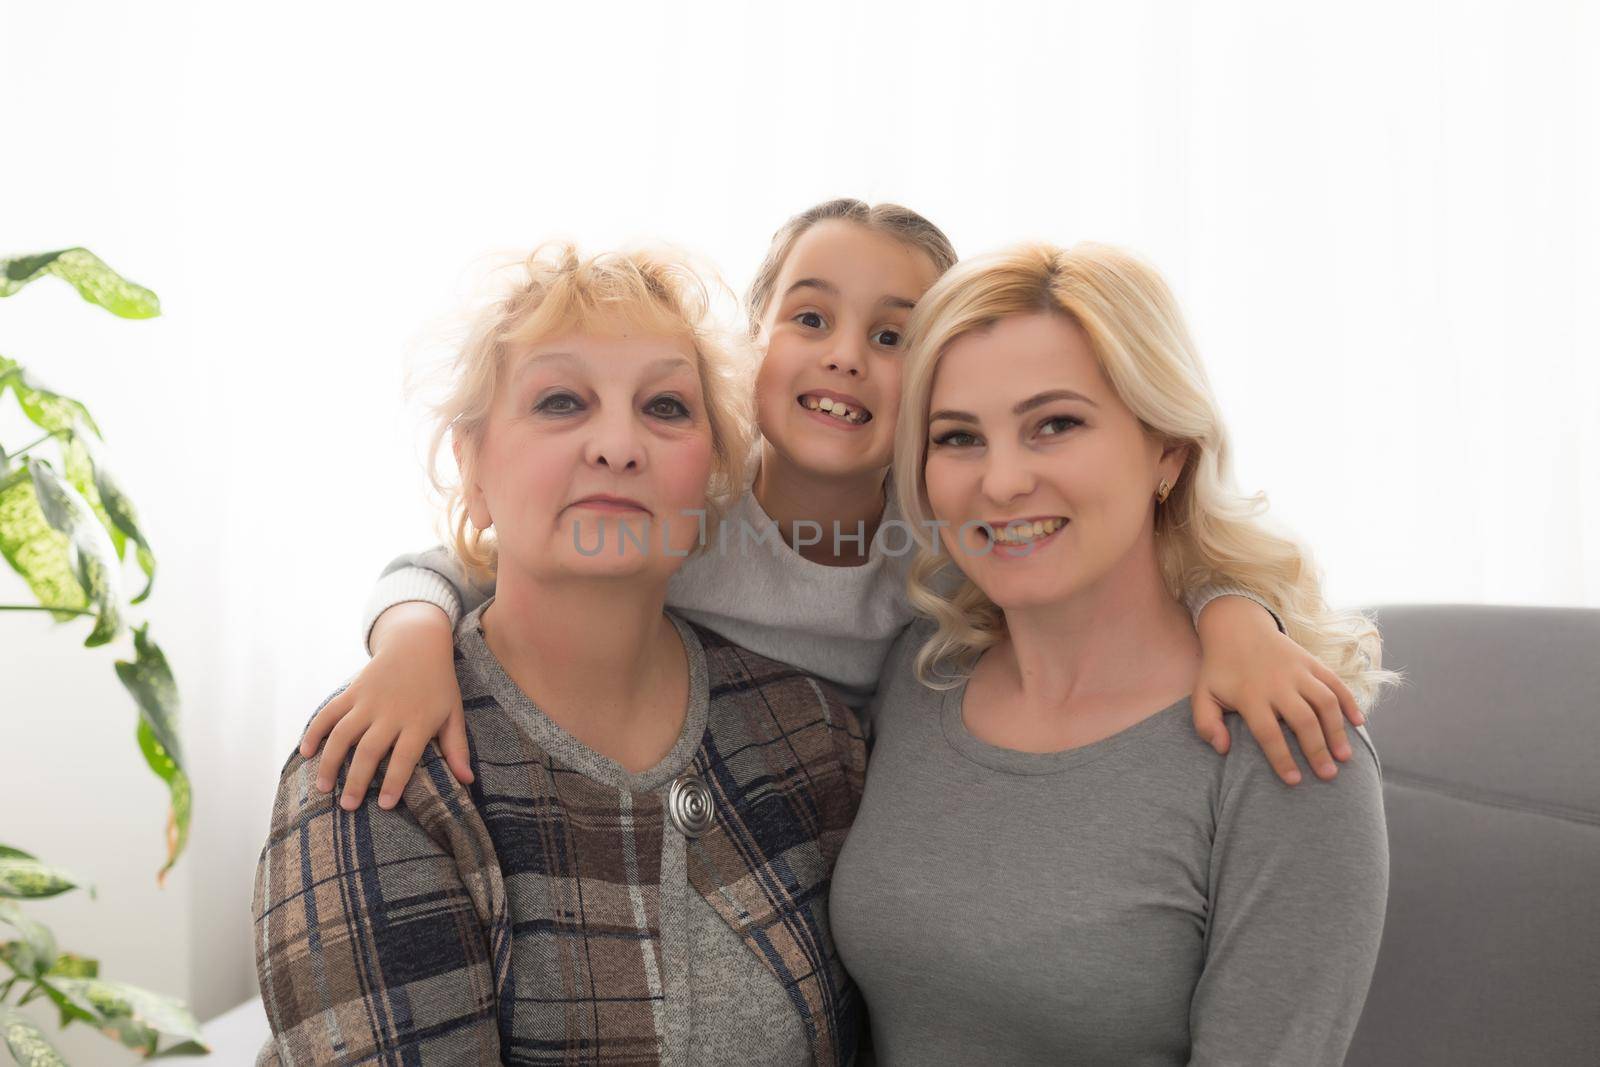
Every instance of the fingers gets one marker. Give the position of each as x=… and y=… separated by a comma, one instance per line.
x=1326, y=705
x=364, y=765
x=407, y=754
x=1263, y=723
x=344, y=735
x=324, y=721
x=1208, y=721
x=1347, y=699
x=453, y=745
x=1302, y=718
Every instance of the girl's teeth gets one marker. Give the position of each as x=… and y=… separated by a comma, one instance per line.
x=836, y=408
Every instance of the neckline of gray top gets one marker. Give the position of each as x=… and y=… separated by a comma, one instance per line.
x=548, y=735
x=1016, y=761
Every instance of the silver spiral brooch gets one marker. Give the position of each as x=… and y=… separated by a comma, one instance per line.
x=689, y=805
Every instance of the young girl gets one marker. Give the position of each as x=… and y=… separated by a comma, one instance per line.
x=798, y=570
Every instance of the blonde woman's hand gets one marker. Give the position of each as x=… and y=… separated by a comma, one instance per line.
x=1248, y=666
x=406, y=695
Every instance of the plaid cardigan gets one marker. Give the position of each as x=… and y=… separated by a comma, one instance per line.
x=516, y=920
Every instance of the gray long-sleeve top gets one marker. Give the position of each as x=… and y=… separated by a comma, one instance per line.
x=1136, y=900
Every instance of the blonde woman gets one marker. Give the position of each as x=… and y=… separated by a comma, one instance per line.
x=638, y=871
x=1049, y=866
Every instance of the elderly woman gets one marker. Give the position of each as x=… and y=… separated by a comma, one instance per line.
x=1049, y=866
x=638, y=871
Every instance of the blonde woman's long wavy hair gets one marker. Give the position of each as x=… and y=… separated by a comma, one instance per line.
x=1206, y=532
x=554, y=291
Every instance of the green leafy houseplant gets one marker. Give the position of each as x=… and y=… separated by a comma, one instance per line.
x=65, y=527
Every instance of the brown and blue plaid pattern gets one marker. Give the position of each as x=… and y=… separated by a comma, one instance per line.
x=517, y=920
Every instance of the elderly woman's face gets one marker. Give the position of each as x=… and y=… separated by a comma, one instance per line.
x=596, y=456
x=1026, y=434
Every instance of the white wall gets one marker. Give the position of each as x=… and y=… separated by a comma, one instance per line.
x=1381, y=218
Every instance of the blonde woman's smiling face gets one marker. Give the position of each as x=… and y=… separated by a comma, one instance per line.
x=589, y=439
x=828, y=390
x=1027, y=436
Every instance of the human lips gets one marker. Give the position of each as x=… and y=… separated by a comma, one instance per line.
x=1025, y=527
x=840, y=409
x=606, y=502
x=1023, y=536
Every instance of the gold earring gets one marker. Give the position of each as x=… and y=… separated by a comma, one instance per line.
x=1163, y=490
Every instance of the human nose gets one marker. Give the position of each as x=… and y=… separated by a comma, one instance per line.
x=616, y=442
x=847, y=354
x=1006, y=474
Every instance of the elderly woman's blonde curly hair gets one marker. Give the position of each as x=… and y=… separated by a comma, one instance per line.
x=555, y=291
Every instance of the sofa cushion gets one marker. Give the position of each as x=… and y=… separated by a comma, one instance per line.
x=1491, y=765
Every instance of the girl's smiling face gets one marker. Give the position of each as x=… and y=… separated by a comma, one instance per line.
x=1026, y=434
x=828, y=390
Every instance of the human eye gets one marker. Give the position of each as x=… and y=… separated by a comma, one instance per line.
x=558, y=404
x=1058, y=424
x=954, y=439
x=667, y=406
x=890, y=332
x=805, y=318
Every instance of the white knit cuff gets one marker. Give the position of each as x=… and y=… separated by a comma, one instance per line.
x=1201, y=597
x=404, y=585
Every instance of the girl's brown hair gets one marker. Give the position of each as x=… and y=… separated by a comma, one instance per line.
x=898, y=222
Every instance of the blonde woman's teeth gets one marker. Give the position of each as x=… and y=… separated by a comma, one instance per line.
x=1022, y=533
x=837, y=408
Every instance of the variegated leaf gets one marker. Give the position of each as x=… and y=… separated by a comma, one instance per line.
x=40, y=554
x=35, y=954
x=88, y=274
x=27, y=1043
x=23, y=877
x=148, y=678
x=94, y=560
x=136, y=1017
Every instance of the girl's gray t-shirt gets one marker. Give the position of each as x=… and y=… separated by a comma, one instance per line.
x=1140, y=899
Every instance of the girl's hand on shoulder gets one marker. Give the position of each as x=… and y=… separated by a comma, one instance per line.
x=406, y=695
x=1248, y=666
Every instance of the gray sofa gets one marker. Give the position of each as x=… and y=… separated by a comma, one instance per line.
x=1491, y=765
